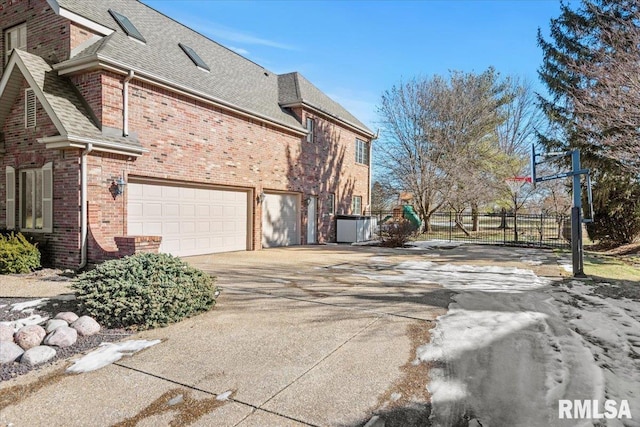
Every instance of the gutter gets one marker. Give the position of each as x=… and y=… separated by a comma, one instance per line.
x=84, y=210
x=125, y=103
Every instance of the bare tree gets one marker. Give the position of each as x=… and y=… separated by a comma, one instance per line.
x=439, y=135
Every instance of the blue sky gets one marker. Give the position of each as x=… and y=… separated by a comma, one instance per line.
x=354, y=50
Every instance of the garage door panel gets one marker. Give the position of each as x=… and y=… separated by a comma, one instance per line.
x=280, y=220
x=191, y=221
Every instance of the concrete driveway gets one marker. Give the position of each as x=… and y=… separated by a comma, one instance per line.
x=300, y=336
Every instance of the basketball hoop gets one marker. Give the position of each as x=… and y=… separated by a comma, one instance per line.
x=516, y=183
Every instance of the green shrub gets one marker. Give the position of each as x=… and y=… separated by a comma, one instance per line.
x=144, y=291
x=17, y=254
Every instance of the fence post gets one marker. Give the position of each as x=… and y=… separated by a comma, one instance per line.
x=504, y=229
x=450, y=226
x=541, y=228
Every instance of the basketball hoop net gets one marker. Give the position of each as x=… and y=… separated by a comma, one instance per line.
x=516, y=183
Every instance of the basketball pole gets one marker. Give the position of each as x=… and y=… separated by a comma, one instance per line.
x=577, y=255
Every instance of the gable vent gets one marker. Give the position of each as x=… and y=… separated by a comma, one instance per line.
x=29, y=108
x=194, y=57
x=127, y=26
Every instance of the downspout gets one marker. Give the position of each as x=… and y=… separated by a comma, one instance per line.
x=125, y=103
x=371, y=167
x=84, y=211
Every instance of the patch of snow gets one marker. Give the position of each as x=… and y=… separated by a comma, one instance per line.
x=567, y=267
x=461, y=330
x=108, y=353
x=463, y=277
x=611, y=329
x=21, y=306
x=224, y=396
x=36, y=319
x=3, y=305
x=367, y=243
x=445, y=389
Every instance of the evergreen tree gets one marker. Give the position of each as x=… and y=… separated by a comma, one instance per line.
x=577, y=69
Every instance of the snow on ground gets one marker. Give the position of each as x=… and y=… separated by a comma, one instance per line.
x=22, y=306
x=108, y=353
x=611, y=329
x=462, y=277
x=509, y=349
x=35, y=319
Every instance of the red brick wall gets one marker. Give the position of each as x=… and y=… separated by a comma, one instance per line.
x=24, y=152
x=47, y=33
x=192, y=141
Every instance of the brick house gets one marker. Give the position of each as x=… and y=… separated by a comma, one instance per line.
x=122, y=130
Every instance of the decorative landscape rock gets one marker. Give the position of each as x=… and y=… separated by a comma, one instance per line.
x=64, y=336
x=10, y=351
x=67, y=316
x=29, y=336
x=86, y=326
x=54, y=324
x=37, y=355
x=6, y=333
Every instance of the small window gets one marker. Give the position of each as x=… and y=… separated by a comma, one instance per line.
x=362, y=152
x=127, y=26
x=356, y=205
x=15, y=38
x=29, y=109
x=331, y=203
x=310, y=128
x=194, y=57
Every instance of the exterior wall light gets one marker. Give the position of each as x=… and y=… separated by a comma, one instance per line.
x=260, y=197
x=117, y=187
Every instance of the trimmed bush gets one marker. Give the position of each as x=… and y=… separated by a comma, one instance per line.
x=397, y=233
x=144, y=291
x=17, y=254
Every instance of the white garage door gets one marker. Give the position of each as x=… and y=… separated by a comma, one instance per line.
x=280, y=220
x=191, y=221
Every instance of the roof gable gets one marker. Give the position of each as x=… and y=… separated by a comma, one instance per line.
x=59, y=98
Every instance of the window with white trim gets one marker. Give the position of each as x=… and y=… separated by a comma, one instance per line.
x=310, y=128
x=362, y=152
x=29, y=109
x=331, y=203
x=14, y=38
x=356, y=205
x=35, y=196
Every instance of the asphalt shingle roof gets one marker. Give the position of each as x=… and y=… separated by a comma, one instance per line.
x=232, y=79
x=64, y=100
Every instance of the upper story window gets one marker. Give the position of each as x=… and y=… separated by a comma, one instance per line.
x=127, y=26
x=362, y=152
x=310, y=128
x=15, y=38
x=29, y=108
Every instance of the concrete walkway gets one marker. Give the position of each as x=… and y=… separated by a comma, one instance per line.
x=300, y=336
